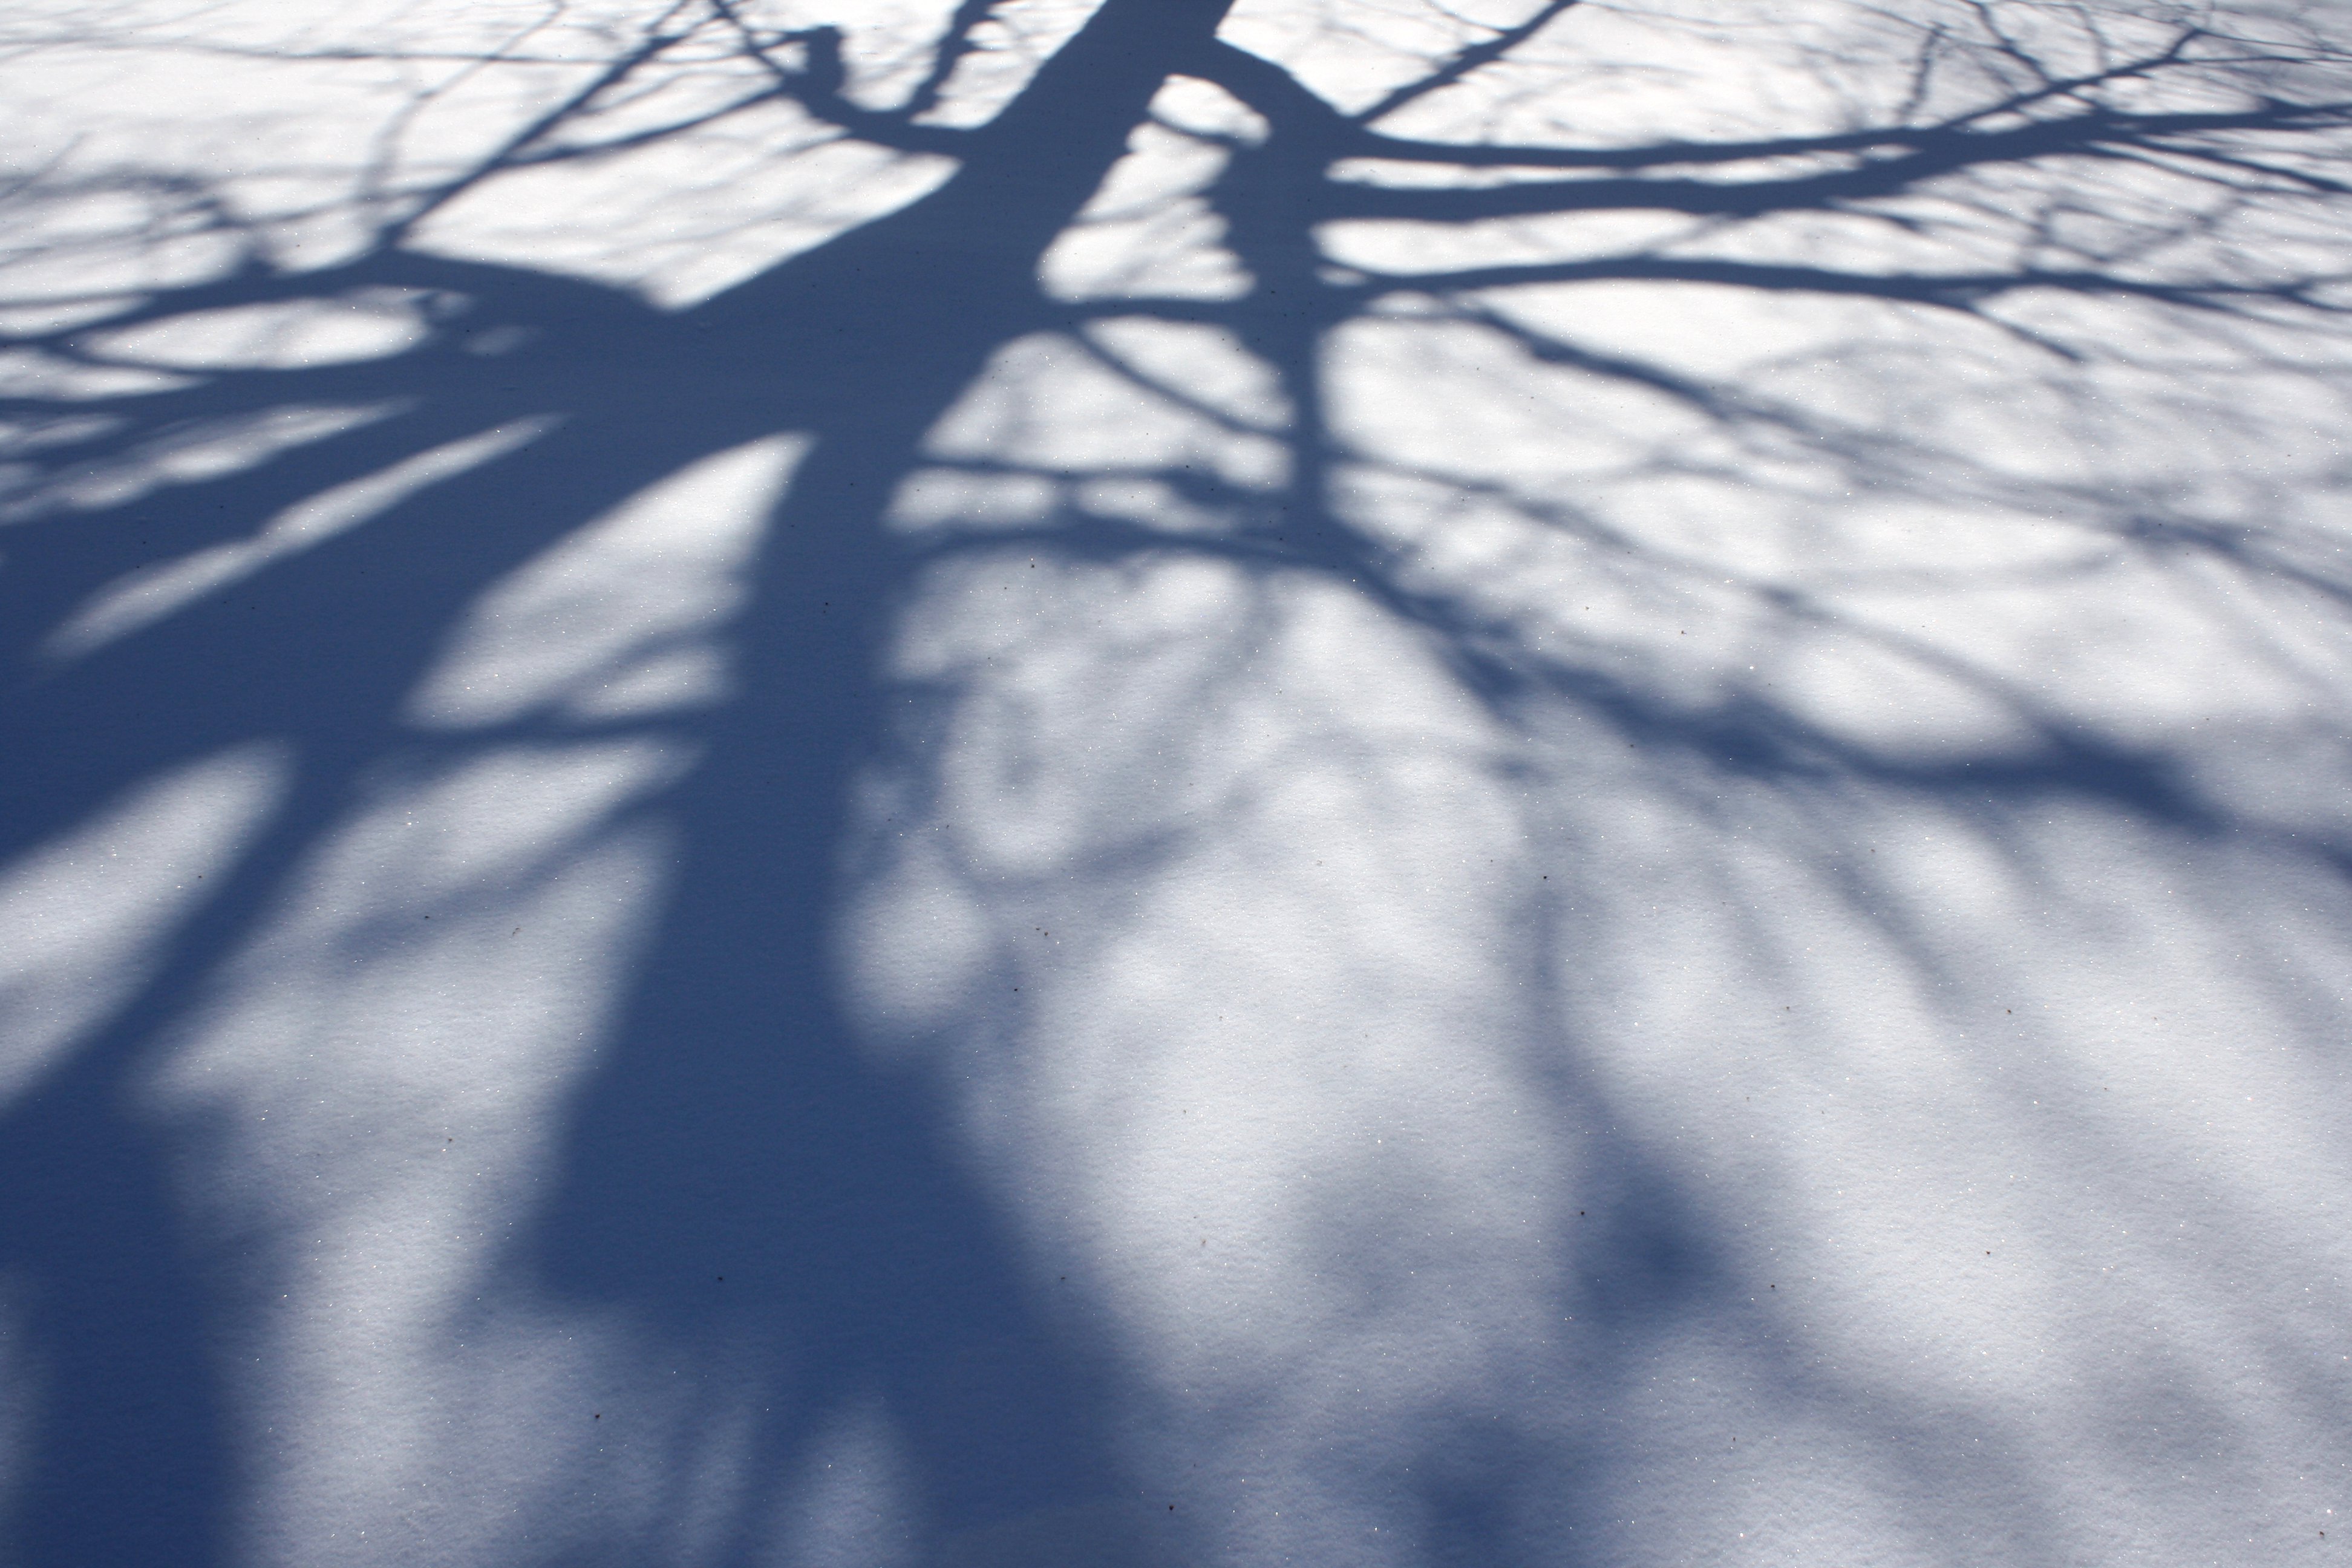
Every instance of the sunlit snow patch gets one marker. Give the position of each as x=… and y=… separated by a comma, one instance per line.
x=618, y=621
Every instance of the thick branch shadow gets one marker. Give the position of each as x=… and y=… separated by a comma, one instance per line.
x=741, y=1181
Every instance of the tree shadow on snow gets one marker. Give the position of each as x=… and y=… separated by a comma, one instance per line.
x=737, y=1172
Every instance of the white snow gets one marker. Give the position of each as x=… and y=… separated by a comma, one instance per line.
x=1762, y=980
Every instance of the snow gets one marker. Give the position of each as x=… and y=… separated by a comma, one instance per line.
x=1671, y=891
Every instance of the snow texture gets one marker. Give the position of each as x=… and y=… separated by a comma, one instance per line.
x=1315, y=782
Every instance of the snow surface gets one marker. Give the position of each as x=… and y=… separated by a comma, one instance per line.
x=663, y=900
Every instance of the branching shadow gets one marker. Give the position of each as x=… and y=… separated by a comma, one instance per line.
x=280, y=541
